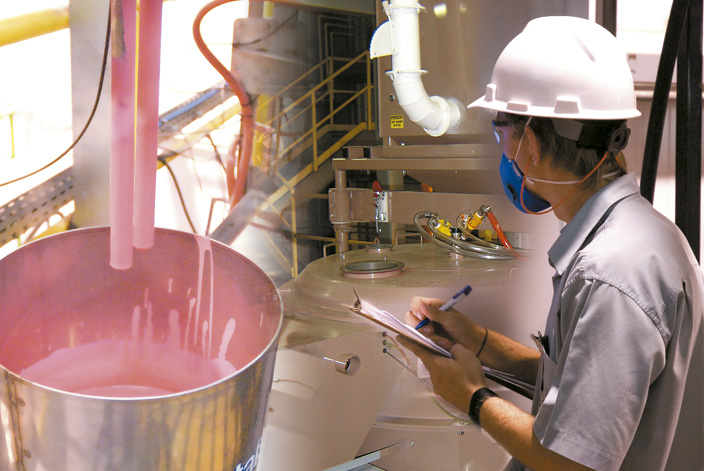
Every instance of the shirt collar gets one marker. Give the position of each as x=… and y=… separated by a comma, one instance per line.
x=576, y=231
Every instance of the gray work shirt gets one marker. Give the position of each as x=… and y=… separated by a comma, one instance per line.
x=621, y=383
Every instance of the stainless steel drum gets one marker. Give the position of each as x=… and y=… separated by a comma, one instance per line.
x=165, y=366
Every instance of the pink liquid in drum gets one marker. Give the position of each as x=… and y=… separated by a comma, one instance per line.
x=140, y=365
x=115, y=368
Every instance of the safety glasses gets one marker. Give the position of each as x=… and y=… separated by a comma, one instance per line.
x=497, y=123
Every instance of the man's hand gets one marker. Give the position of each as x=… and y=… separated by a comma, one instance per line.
x=446, y=327
x=454, y=379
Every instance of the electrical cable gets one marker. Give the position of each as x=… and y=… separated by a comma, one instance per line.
x=210, y=217
x=195, y=166
x=663, y=82
x=236, y=180
x=165, y=163
x=236, y=176
x=90, y=117
x=218, y=157
x=164, y=159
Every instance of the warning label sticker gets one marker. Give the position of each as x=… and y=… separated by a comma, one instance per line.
x=396, y=121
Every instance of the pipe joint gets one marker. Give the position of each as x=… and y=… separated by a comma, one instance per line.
x=449, y=116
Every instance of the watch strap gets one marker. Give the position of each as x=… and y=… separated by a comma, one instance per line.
x=477, y=401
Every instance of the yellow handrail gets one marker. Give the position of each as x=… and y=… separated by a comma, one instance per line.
x=305, y=107
x=314, y=98
x=312, y=91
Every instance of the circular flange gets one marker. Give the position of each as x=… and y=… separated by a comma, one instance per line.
x=372, y=269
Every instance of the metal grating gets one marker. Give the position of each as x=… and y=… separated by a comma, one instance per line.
x=35, y=206
x=188, y=111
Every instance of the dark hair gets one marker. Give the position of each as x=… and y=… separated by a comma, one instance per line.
x=568, y=154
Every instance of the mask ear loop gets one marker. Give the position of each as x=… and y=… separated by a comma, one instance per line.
x=523, y=186
x=523, y=174
x=523, y=178
x=617, y=142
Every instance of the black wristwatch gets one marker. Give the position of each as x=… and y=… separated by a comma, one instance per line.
x=477, y=401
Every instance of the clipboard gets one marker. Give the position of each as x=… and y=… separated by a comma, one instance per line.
x=383, y=318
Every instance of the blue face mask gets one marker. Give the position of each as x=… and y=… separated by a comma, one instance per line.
x=512, y=178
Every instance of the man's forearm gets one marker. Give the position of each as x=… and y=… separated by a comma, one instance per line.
x=512, y=428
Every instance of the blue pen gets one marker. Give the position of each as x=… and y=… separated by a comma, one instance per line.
x=459, y=295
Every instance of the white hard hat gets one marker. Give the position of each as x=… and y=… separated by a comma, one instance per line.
x=562, y=67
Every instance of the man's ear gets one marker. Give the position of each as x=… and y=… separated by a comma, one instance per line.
x=533, y=145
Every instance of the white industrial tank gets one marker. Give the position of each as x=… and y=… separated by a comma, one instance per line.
x=382, y=403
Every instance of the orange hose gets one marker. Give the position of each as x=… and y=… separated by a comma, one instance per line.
x=499, y=233
x=235, y=182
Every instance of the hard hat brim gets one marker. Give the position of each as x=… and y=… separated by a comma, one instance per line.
x=550, y=112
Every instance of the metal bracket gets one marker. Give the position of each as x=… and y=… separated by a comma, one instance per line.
x=351, y=205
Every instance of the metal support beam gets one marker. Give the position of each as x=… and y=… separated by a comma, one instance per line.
x=91, y=158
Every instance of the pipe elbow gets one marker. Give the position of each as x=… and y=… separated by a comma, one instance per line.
x=436, y=115
x=400, y=38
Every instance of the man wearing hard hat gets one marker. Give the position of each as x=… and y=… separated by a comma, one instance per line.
x=619, y=371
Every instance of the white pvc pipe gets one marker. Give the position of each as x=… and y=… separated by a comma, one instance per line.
x=434, y=114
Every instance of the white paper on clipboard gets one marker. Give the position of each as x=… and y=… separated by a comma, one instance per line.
x=368, y=310
x=371, y=312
